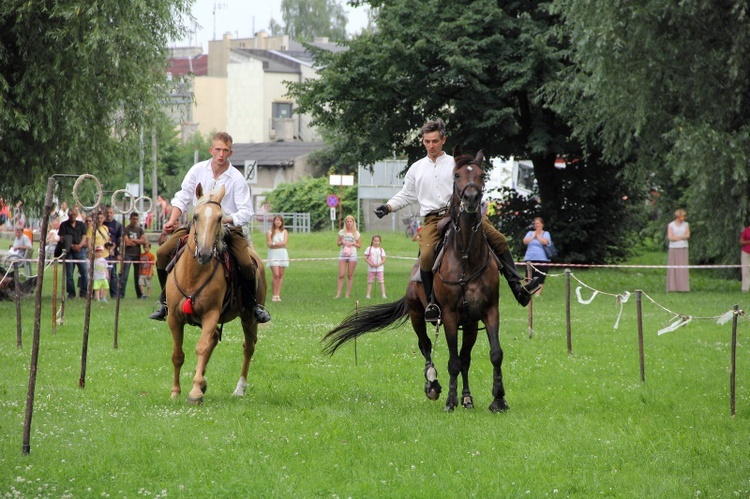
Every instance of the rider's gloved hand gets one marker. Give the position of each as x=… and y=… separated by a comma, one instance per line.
x=382, y=210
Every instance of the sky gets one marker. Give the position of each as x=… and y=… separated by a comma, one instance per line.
x=243, y=18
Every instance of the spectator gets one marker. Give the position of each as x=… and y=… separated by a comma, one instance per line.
x=278, y=257
x=146, y=270
x=678, y=233
x=349, y=241
x=50, y=242
x=4, y=214
x=535, y=241
x=75, y=231
x=745, y=259
x=115, y=234
x=20, y=217
x=375, y=258
x=135, y=236
x=101, y=275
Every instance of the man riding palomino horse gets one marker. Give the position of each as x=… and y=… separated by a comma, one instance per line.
x=429, y=182
x=238, y=208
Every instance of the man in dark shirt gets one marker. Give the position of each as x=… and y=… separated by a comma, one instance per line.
x=115, y=235
x=76, y=231
x=134, y=238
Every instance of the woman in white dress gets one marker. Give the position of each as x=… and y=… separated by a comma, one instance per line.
x=278, y=257
x=678, y=233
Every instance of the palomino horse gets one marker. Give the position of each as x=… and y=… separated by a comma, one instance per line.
x=196, y=295
x=465, y=287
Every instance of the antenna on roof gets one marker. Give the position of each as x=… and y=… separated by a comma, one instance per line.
x=217, y=6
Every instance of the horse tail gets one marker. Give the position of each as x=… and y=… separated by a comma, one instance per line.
x=366, y=320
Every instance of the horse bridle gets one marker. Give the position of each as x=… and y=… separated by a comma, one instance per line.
x=215, y=250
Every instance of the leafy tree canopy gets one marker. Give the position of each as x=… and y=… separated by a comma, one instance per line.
x=77, y=81
x=306, y=19
x=480, y=65
x=663, y=85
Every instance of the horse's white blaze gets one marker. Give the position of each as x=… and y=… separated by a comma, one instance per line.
x=209, y=213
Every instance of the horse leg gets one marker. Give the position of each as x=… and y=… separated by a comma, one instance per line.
x=178, y=354
x=203, y=350
x=454, y=364
x=496, y=357
x=250, y=327
x=432, y=386
x=469, y=339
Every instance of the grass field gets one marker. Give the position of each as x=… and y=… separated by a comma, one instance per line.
x=580, y=425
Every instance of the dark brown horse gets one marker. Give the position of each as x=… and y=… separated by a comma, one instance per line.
x=196, y=294
x=466, y=288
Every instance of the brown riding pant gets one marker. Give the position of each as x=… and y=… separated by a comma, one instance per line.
x=236, y=244
x=429, y=239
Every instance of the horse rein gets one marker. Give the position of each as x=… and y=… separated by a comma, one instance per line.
x=215, y=251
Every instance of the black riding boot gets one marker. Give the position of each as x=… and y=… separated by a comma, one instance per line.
x=521, y=291
x=161, y=313
x=432, y=311
x=260, y=312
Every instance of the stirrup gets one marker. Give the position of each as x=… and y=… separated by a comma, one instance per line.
x=432, y=313
x=532, y=286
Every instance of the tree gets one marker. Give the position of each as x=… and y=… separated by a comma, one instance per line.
x=77, y=82
x=308, y=196
x=663, y=84
x=306, y=19
x=480, y=65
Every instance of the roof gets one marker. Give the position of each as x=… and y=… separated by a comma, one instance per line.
x=181, y=66
x=273, y=153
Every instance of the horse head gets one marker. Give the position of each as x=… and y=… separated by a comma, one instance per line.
x=468, y=181
x=208, y=231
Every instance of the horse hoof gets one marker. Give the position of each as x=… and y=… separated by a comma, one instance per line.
x=467, y=402
x=195, y=400
x=499, y=406
x=449, y=408
x=432, y=395
x=432, y=389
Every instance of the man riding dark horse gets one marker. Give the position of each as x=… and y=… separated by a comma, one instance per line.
x=238, y=208
x=429, y=182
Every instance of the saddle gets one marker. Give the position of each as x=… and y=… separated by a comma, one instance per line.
x=228, y=263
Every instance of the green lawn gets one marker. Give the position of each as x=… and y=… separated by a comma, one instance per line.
x=358, y=425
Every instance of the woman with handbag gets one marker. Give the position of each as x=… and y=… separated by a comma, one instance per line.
x=539, y=251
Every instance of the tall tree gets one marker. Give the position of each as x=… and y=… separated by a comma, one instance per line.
x=77, y=79
x=306, y=19
x=664, y=85
x=480, y=65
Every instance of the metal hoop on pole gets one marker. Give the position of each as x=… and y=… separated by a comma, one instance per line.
x=126, y=195
x=79, y=180
x=140, y=201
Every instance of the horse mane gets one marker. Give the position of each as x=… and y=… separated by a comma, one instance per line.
x=205, y=198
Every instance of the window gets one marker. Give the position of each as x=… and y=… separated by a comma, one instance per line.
x=282, y=110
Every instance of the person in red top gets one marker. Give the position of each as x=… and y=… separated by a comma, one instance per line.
x=745, y=259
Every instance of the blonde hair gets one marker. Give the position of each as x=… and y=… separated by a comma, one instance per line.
x=679, y=213
x=350, y=217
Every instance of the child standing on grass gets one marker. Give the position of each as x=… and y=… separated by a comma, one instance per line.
x=101, y=275
x=375, y=258
x=146, y=271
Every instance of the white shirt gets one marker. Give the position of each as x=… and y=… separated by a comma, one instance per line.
x=237, y=201
x=428, y=183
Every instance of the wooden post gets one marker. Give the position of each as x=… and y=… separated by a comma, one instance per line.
x=531, y=305
x=87, y=316
x=37, y=327
x=641, y=358
x=54, y=297
x=356, y=309
x=17, y=284
x=733, y=364
x=567, y=312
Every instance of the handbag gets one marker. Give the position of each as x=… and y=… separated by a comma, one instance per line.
x=63, y=244
x=550, y=250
